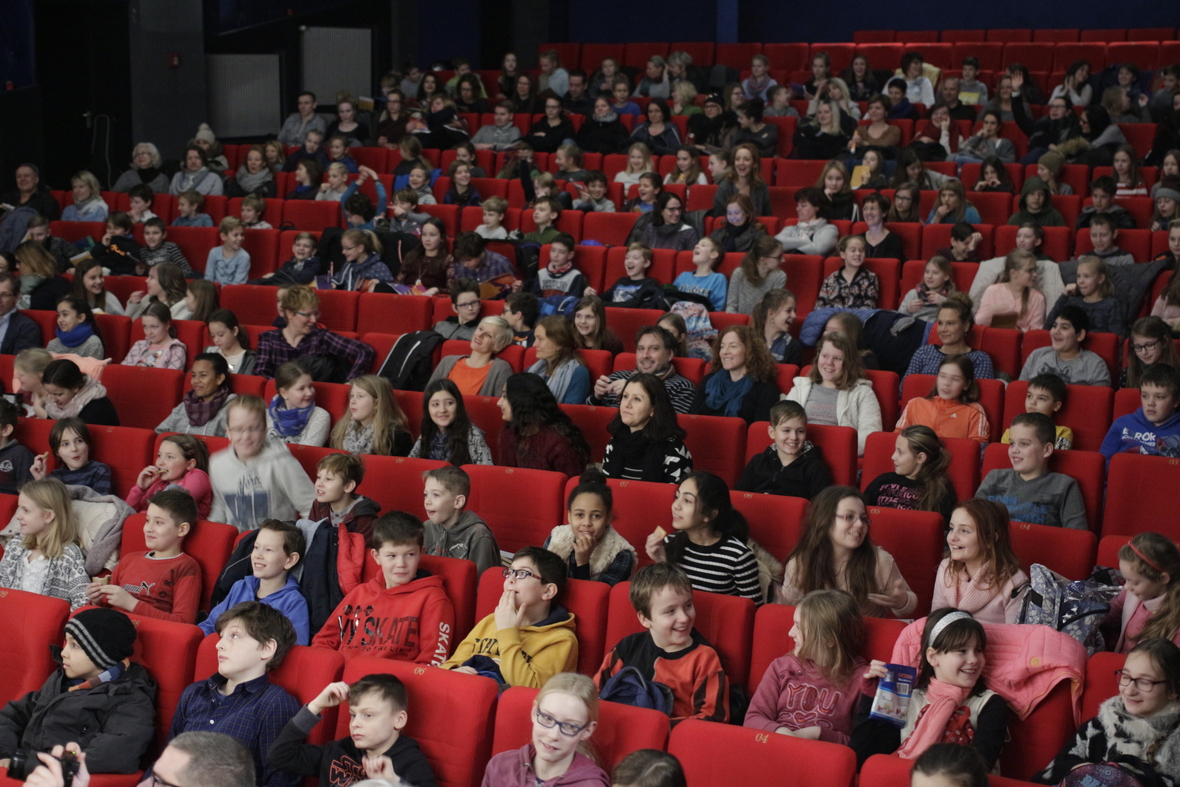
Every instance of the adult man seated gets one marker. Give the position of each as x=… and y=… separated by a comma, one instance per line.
x=653, y=355
x=30, y=193
x=297, y=124
x=950, y=94
x=17, y=332
x=576, y=100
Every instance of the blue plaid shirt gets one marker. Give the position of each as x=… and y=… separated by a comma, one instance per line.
x=255, y=713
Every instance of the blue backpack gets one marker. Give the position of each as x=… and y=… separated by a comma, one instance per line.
x=629, y=687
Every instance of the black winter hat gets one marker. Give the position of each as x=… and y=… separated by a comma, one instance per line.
x=106, y=636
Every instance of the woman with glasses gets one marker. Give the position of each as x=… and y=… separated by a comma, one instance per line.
x=662, y=227
x=553, y=130
x=1139, y=728
x=836, y=392
x=302, y=337
x=1151, y=344
x=836, y=551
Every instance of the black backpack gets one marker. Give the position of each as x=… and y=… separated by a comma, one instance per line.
x=411, y=361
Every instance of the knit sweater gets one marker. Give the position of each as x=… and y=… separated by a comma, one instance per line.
x=743, y=296
x=270, y=485
x=221, y=268
x=167, y=589
x=172, y=356
x=1051, y=499
x=998, y=301
x=700, y=689
x=664, y=461
x=91, y=348
x=1106, y=315
x=727, y=567
x=94, y=474
x=15, y=461
x=794, y=694
x=887, y=575
x=410, y=622
x=975, y=594
x=315, y=431
x=515, y=769
x=65, y=577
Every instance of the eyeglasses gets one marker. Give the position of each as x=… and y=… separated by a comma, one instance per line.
x=1143, y=684
x=849, y=519
x=522, y=573
x=673, y=208
x=308, y=315
x=564, y=727
x=156, y=781
x=1139, y=348
x=469, y=305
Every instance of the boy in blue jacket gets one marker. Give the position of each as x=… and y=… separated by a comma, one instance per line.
x=1154, y=428
x=278, y=547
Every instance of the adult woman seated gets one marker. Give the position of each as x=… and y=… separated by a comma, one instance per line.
x=302, y=337
x=742, y=377
x=739, y=229
x=662, y=227
x=202, y=410
x=41, y=286
x=647, y=443
x=537, y=434
x=879, y=241
x=480, y=372
x=836, y=392
x=346, y=123
x=745, y=178
x=603, y=132
x=955, y=320
x=145, y=169
x=658, y=133
x=879, y=134
x=252, y=177
x=763, y=136
x=822, y=137
x=811, y=233
x=709, y=130
x=558, y=362
x=550, y=132
x=71, y=394
x=196, y=175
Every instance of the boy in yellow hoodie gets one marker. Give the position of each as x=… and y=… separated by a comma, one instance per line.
x=530, y=637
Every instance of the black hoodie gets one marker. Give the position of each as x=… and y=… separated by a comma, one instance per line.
x=805, y=477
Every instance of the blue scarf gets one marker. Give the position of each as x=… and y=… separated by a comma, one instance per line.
x=75, y=337
x=289, y=421
x=722, y=393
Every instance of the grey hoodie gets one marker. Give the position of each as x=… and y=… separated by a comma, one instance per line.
x=469, y=538
x=270, y=485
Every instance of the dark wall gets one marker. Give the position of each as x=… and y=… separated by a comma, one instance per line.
x=16, y=43
x=620, y=21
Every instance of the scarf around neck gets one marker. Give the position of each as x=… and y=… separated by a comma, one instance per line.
x=559, y=382
x=109, y=675
x=89, y=392
x=198, y=411
x=289, y=421
x=943, y=699
x=250, y=182
x=725, y=394
x=75, y=336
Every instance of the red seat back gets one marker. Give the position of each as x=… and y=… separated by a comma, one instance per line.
x=520, y=506
x=1086, y=411
x=593, y=422
x=726, y=623
x=208, y=543
x=915, y=540
x=717, y=444
x=963, y=470
x=1088, y=468
x=1068, y=552
x=116, y=334
x=1045, y=730
x=382, y=313
x=312, y=215
x=774, y=520
x=126, y=385
x=460, y=584
x=1101, y=682
x=1128, y=509
x=33, y=622
x=168, y=651
x=395, y=482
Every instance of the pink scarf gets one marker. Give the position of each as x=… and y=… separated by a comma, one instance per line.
x=971, y=596
x=943, y=699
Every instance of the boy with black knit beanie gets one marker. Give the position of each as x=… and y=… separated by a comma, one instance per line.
x=98, y=698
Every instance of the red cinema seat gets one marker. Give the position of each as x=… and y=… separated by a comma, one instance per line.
x=888, y=275
x=196, y=242
x=311, y=215
x=1086, y=412
x=247, y=385
x=773, y=622
x=128, y=451
x=1036, y=57
x=587, y=601
x=46, y=320
x=915, y=540
x=1105, y=345
x=451, y=716
x=797, y=172
x=338, y=309
x=626, y=323
x=1046, y=729
x=1144, y=54
x=1057, y=241
x=1088, y=468
x=700, y=197
x=721, y=755
x=735, y=55
x=774, y=520
x=383, y=313
x=1101, y=682
x=785, y=57
x=693, y=369
x=460, y=583
x=382, y=343
x=882, y=770
x=449, y=214
x=701, y=52
x=963, y=471
x=126, y=385
x=1126, y=401
x=395, y=482
x=726, y=623
x=191, y=332
x=309, y=456
x=116, y=334
x=610, y=229
x=34, y=622
x=304, y=673
x=252, y=304
x=1068, y=552
x=593, y=421
x=991, y=397
x=520, y=506
x=1128, y=509
x=639, y=506
x=838, y=444
x=717, y=444
x=621, y=729
x=209, y=543
x=263, y=248
x=168, y=651
x=74, y=231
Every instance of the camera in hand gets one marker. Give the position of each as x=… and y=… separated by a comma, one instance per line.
x=25, y=761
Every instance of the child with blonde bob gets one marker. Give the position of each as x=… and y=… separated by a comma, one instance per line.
x=1149, y=604
x=1093, y=292
x=639, y=161
x=47, y=556
x=980, y=574
x=828, y=633
x=564, y=715
x=373, y=422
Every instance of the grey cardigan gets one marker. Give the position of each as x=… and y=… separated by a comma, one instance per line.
x=493, y=385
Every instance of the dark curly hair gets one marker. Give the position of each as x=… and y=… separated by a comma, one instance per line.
x=534, y=408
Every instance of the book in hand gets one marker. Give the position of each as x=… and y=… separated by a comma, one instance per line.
x=892, y=701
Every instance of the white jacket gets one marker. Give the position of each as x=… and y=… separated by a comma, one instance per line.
x=856, y=407
x=1049, y=280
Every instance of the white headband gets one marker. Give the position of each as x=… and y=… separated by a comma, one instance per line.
x=945, y=621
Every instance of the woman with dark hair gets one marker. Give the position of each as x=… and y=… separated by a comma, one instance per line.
x=647, y=443
x=708, y=540
x=202, y=410
x=763, y=136
x=602, y=132
x=196, y=175
x=742, y=379
x=559, y=363
x=427, y=265
x=551, y=131
x=662, y=227
x=1099, y=140
x=524, y=95
x=70, y=394
x=537, y=434
x=658, y=133
x=447, y=432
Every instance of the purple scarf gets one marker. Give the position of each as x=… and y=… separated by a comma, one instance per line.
x=200, y=412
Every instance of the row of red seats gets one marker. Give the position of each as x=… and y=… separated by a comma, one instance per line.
x=1148, y=48
x=459, y=724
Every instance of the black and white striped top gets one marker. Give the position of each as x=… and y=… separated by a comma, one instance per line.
x=726, y=567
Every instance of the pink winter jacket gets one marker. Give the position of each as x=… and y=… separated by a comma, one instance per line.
x=1024, y=662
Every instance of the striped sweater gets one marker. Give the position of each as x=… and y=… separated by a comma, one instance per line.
x=727, y=567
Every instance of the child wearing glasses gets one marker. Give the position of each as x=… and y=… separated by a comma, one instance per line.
x=565, y=715
x=530, y=637
x=1139, y=727
x=255, y=479
x=363, y=623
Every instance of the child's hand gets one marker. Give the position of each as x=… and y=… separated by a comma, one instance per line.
x=590, y=291
x=1017, y=81
x=876, y=669
x=116, y=597
x=517, y=285
x=933, y=298
x=507, y=614
x=147, y=476
x=106, y=239
x=974, y=241
x=37, y=469
x=1071, y=289
x=381, y=768
x=894, y=599
x=324, y=187
x=465, y=670
x=136, y=296
x=941, y=211
x=583, y=548
x=655, y=546
x=332, y=695
x=1143, y=99
x=807, y=733
x=916, y=305
x=92, y=594
x=432, y=291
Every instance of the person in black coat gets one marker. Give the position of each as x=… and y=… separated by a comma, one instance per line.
x=743, y=377
x=790, y=466
x=603, y=132
x=30, y=193
x=550, y=132
x=21, y=332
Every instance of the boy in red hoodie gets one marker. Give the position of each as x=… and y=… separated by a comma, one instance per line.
x=337, y=478
x=403, y=614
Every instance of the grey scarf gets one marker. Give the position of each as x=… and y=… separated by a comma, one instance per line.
x=559, y=383
x=250, y=183
x=190, y=180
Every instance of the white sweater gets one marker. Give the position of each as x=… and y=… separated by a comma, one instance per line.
x=856, y=407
